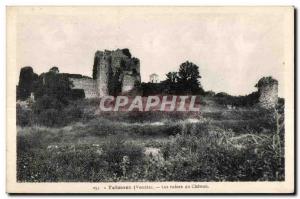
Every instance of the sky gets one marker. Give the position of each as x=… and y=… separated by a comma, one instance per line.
x=233, y=48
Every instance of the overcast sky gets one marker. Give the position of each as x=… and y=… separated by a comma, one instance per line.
x=232, y=49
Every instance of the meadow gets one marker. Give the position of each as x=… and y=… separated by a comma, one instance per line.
x=216, y=144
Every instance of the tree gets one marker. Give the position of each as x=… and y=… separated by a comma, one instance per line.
x=172, y=77
x=54, y=85
x=188, y=78
x=53, y=94
x=170, y=84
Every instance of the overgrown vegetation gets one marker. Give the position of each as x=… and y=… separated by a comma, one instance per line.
x=26, y=81
x=61, y=139
x=223, y=145
x=53, y=105
x=239, y=101
x=192, y=154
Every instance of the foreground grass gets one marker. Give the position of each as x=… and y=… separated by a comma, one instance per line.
x=213, y=147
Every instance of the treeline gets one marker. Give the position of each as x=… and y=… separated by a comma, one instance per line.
x=246, y=100
x=186, y=81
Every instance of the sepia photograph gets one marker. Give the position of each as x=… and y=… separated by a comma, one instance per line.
x=150, y=99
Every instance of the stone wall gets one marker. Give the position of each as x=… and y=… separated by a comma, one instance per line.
x=87, y=84
x=129, y=82
x=268, y=92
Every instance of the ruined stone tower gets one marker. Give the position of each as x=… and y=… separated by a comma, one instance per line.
x=268, y=92
x=116, y=72
x=104, y=72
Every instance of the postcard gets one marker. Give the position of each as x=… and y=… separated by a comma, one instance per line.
x=150, y=99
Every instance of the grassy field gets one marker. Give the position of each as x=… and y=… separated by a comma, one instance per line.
x=218, y=144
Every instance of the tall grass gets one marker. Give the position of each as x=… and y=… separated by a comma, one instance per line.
x=220, y=145
x=193, y=154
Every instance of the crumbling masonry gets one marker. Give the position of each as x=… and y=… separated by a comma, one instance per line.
x=114, y=72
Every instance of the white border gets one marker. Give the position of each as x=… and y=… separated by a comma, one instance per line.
x=4, y=3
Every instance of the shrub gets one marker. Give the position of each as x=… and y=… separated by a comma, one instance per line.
x=239, y=101
x=49, y=111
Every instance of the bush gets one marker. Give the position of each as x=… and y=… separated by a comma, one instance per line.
x=207, y=158
x=240, y=101
x=54, y=85
x=49, y=111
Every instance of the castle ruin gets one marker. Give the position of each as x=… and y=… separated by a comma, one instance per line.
x=268, y=92
x=114, y=72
